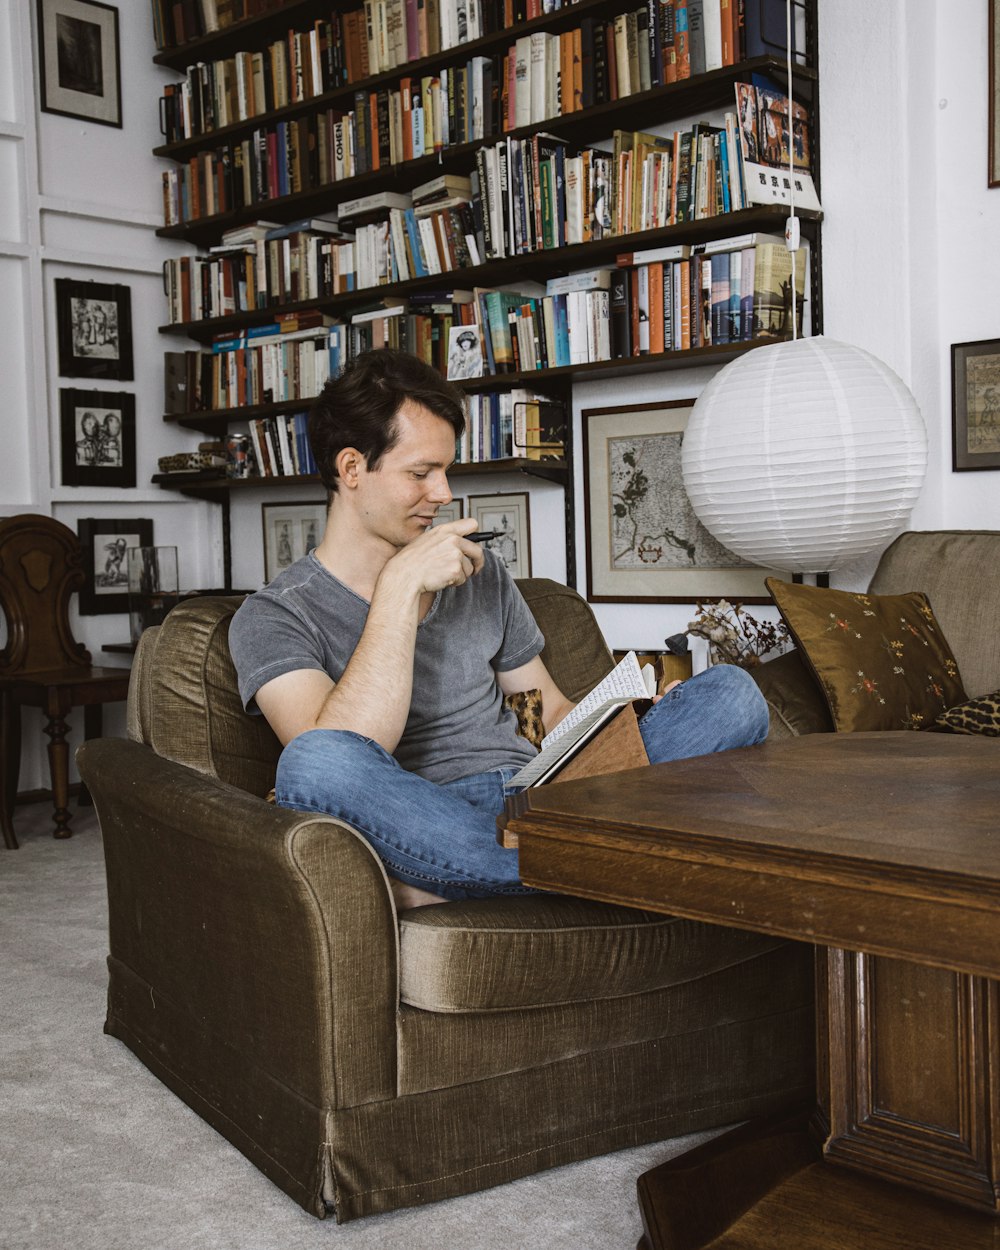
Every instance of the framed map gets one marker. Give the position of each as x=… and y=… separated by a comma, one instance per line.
x=644, y=541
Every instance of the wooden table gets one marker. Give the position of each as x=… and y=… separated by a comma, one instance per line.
x=884, y=849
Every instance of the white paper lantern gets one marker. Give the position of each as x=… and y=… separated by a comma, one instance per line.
x=804, y=455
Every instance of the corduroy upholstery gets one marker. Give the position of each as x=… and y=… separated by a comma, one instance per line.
x=956, y=569
x=364, y=1060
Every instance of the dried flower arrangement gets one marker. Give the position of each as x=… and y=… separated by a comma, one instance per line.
x=735, y=635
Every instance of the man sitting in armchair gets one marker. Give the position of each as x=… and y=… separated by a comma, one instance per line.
x=382, y=658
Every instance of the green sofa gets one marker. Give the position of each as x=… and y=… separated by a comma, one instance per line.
x=366, y=1060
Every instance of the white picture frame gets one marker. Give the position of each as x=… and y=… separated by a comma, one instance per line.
x=291, y=530
x=509, y=515
x=465, y=353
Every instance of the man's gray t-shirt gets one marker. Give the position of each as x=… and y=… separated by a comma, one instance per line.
x=307, y=619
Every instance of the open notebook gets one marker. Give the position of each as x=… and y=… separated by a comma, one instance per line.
x=625, y=683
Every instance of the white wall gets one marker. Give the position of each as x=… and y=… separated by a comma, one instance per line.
x=80, y=200
x=910, y=266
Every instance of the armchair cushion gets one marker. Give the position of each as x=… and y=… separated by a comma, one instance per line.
x=544, y=951
x=882, y=661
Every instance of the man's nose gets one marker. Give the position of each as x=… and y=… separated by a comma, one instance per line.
x=440, y=491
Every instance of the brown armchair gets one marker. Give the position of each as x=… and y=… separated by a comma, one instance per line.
x=366, y=1060
x=42, y=664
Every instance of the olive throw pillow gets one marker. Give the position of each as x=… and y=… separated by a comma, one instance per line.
x=977, y=716
x=882, y=661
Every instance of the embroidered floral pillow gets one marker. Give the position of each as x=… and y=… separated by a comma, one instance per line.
x=881, y=660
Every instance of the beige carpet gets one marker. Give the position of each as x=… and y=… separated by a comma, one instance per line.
x=95, y=1154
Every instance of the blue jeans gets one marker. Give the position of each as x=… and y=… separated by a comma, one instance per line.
x=443, y=837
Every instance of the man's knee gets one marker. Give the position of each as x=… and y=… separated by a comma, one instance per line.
x=310, y=763
x=739, y=699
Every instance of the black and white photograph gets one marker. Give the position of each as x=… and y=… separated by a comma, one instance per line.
x=80, y=60
x=97, y=435
x=465, y=356
x=94, y=322
x=507, y=517
x=105, y=546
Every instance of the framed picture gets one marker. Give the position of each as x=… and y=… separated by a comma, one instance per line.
x=453, y=511
x=975, y=405
x=994, y=90
x=644, y=541
x=94, y=324
x=105, y=561
x=291, y=530
x=507, y=515
x=97, y=434
x=80, y=67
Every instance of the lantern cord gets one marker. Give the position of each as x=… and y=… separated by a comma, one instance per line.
x=792, y=229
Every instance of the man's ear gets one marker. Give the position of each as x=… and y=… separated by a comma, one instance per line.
x=349, y=464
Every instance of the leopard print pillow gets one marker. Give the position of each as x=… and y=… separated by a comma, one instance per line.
x=527, y=707
x=977, y=716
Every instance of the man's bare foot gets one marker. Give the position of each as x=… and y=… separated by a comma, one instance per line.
x=407, y=896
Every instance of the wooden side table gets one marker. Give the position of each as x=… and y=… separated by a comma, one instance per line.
x=884, y=851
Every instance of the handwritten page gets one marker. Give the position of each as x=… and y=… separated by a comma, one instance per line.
x=625, y=681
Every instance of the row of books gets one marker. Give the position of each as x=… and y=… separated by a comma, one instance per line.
x=659, y=300
x=264, y=365
x=281, y=445
x=391, y=31
x=176, y=22
x=691, y=173
x=518, y=422
x=660, y=42
x=662, y=300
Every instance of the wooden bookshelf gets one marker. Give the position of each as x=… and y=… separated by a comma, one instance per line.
x=679, y=102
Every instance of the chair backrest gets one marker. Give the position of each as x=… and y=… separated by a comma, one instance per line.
x=957, y=570
x=41, y=568
x=184, y=702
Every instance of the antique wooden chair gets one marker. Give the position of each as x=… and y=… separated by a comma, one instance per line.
x=42, y=665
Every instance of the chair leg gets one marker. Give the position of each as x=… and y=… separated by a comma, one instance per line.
x=93, y=722
x=57, y=709
x=10, y=763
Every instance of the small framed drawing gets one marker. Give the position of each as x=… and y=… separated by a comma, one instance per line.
x=80, y=66
x=975, y=405
x=453, y=511
x=94, y=324
x=644, y=541
x=97, y=435
x=291, y=530
x=465, y=355
x=105, y=561
x=508, y=516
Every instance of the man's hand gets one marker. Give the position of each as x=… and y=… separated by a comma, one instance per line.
x=442, y=556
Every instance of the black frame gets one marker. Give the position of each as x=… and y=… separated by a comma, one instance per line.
x=76, y=364
x=89, y=529
x=76, y=474
x=84, y=101
x=962, y=459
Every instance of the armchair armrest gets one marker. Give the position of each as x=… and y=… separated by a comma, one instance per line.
x=265, y=932
x=793, y=698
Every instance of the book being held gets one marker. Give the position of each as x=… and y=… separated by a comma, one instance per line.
x=623, y=685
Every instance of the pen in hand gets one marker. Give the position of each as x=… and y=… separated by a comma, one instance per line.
x=482, y=536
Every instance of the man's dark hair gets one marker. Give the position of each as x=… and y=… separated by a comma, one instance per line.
x=358, y=409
